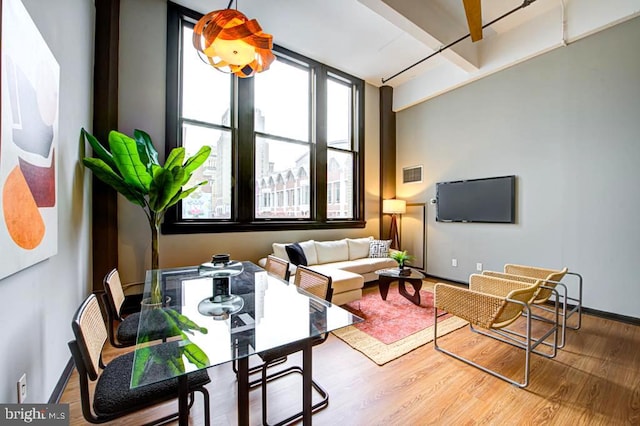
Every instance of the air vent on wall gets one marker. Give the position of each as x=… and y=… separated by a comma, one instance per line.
x=412, y=174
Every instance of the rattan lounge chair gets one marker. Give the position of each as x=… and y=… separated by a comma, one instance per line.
x=490, y=305
x=569, y=305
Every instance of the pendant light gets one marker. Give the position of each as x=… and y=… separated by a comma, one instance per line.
x=233, y=43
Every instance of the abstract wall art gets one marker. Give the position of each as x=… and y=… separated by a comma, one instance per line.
x=28, y=143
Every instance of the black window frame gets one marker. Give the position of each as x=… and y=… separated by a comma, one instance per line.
x=243, y=137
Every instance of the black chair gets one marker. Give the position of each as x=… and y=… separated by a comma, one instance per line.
x=114, y=302
x=112, y=396
x=319, y=285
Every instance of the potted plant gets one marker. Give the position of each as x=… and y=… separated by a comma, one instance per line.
x=131, y=167
x=402, y=257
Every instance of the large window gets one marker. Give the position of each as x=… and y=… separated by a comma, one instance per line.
x=287, y=144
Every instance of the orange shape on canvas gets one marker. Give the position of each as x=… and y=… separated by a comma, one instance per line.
x=21, y=215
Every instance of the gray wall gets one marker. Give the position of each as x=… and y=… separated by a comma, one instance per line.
x=567, y=123
x=141, y=105
x=39, y=302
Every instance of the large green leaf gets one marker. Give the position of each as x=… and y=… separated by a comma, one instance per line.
x=161, y=180
x=99, y=150
x=125, y=154
x=164, y=188
x=184, y=322
x=155, y=169
x=142, y=357
x=175, y=158
x=111, y=178
x=195, y=355
x=183, y=194
x=146, y=150
x=168, y=357
x=197, y=159
x=175, y=365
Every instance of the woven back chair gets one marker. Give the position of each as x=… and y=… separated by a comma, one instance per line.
x=277, y=267
x=126, y=327
x=550, y=277
x=313, y=282
x=112, y=396
x=491, y=304
x=320, y=286
x=551, y=281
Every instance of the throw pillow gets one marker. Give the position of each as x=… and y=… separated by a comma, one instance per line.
x=359, y=247
x=379, y=248
x=296, y=254
x=279, y=250
x=332, y=251
x=309, y=249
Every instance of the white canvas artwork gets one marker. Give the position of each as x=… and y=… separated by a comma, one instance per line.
x=28, y=143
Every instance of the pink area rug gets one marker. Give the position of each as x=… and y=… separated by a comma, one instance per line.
x=395, y=318
x=396, y=326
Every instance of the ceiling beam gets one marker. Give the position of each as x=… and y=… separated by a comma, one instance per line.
x=430, y=25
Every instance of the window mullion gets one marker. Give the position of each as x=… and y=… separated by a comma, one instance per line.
x=358, y=147
x=243, y=189
x=319, y=96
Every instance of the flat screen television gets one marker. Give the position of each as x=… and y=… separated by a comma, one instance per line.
x=489, y=200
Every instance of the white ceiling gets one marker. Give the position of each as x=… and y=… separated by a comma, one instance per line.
x=375, y=39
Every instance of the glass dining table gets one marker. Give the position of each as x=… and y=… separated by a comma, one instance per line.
x=182, y=335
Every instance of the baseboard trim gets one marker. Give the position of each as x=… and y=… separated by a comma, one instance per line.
x=62, y=383
x=446, y=280
x=609, y=315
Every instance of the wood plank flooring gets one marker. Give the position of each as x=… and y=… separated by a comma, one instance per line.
x=594, y=380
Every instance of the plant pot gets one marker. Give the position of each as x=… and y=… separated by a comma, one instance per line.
x=404, y=271
x=148, y=304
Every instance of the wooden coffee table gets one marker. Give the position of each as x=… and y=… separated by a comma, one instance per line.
x=387, y=276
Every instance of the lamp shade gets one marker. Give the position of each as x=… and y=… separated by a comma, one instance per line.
x=233, y=43
x=394, y=206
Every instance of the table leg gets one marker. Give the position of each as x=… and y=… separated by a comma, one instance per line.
x=306, y=383
x=243, y=391
x=383, y=286
x=417, y=285
x=183, y=404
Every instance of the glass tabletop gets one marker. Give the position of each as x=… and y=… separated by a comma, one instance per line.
x=175, y=338
x=395, y=273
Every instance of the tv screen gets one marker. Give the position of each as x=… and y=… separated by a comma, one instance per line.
x=489, y=200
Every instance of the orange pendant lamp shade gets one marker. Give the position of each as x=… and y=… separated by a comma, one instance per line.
x=233, y=43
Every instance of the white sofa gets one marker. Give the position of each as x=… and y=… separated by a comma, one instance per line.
x=347, y=261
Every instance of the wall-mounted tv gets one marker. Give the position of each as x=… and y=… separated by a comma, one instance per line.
x=490, y=200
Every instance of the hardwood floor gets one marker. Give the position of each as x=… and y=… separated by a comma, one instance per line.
x=594, y=380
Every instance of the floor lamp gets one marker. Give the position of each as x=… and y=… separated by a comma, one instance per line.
x=394, y=207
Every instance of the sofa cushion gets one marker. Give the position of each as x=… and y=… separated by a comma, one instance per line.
x=332, y=251
x=296, y=254
x=341, y=281
x=309, y=248
x=358, y=247
x=363, y=266
x=280, y=250
x=379, y=248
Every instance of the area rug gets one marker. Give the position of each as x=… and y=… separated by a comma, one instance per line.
x=393, y=327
